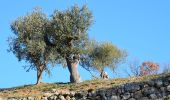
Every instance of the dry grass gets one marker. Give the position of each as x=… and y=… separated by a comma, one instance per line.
x=36, y=90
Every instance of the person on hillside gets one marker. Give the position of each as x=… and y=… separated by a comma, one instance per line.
x=104, y=75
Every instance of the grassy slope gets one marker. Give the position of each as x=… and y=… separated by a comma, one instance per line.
x=35, y=90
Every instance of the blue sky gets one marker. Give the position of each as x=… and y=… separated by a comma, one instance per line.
x=142, y=27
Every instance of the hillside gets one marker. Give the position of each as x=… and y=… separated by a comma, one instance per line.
x=146, y=87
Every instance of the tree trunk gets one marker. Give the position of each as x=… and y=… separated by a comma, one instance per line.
x=73, y=69
x=102, y=74
x=39, y=75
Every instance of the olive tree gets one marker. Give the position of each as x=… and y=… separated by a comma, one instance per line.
x=69, y=36
x=28, y=42
x=61, y=38
x=102, y=55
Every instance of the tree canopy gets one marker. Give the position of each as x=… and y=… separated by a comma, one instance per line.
x=61, y=38
x=29, y=42
x=69, y=30
x=102, y=55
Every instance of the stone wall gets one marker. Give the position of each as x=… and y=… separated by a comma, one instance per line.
x=157, y=89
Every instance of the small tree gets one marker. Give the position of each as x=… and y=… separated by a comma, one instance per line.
x=134, y=68
x=29, y=42
x=102, y=55
x=148, y=68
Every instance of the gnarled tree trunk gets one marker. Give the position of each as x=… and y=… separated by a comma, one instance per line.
x=73, y=69
x=39, y=74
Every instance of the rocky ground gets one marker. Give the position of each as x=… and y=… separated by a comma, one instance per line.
x=156, y=87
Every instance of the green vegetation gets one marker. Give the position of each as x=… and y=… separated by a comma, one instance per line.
x=102, y=55
x=61, y=39
x=38, y=90
x=29, y=42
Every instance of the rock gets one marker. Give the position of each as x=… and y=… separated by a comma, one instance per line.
x=63, y=91
x=168, y=88
x=47, y=94
x=23, y=99
x=166, y=83
x=163, y=89
x=30, y=98
x=153, y=96
x=168, y=79
x=44, y=98
x=72, y=93
x=38, y=98
x=109, y=93
x=168, y=97
x=53, y=97
x=151, y=83
x=119, y=91
x=91, y=93
x=145, y=85
x=84, y=98
x=137, y=95
x=132, y=99
x=78, y=95
x=73, y=98
x=163, y=94
x=10, y=99
x=101, y=93
x=148, y=90
x=126, y=96
x=114, y=91
x=61, y=97
x=158, y=83
x=54, y=90
x=56, y=93
x=144, y=98
x=68, y=97
x=114, y=97
x=98, y=97
x=131, y=87
x=159, y=95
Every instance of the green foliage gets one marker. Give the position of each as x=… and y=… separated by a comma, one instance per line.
x=42, y=40
x=70, y=30
x=29, y=41
x=102, y=55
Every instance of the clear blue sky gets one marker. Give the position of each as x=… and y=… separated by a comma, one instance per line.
x=142, y=27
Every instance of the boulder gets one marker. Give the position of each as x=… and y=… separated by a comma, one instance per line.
x=158, y=83
x=114, y=97
x=61, y=97
x=168, y=88
x=126, y=96
x=30, y=98
x=133, y=87
x=153, y=96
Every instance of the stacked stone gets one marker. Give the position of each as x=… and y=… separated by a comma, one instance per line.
x=158, y=89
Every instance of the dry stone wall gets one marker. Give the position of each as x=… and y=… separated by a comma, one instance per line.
x=157, y=89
